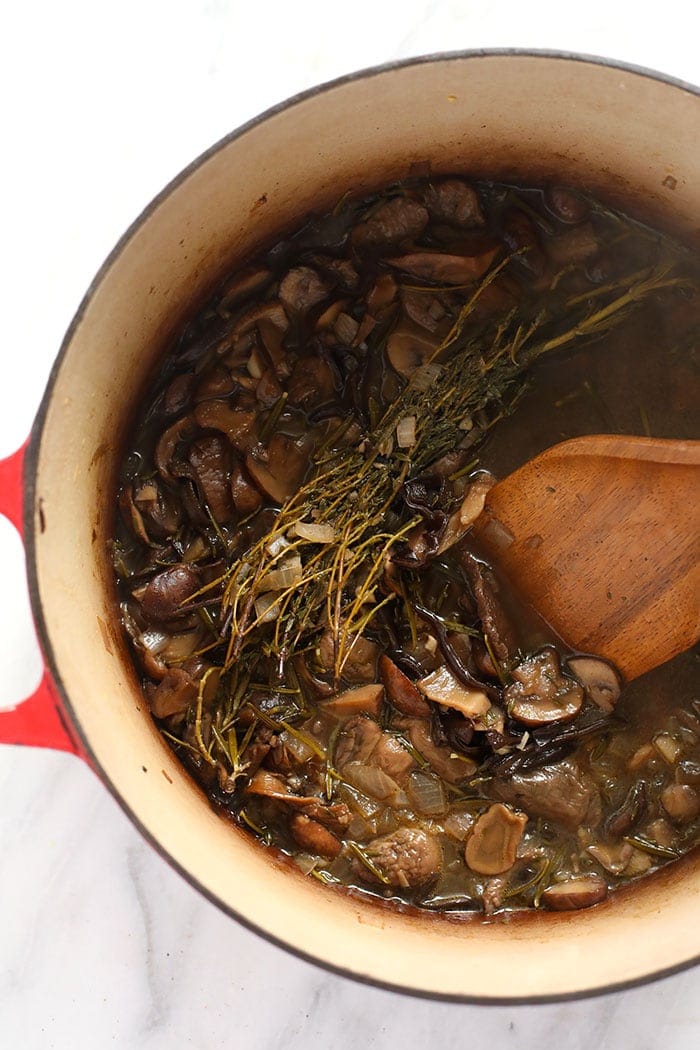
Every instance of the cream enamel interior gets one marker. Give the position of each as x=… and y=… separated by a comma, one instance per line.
x=618, y=132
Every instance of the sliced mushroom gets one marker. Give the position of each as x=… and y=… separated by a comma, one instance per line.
x=423, y=308
x=311, y=383
x=392, y=757
x=541, y=693
x=210, y=457
x=393, y=222
x=495, y=621
x=282, y=472
x=409, y=346
x=312, y=836
x=301, y=288
x=165, y=594
x=560, y=792
x=357, y=741
x=268, y=391
x=573, y=894
x=599, y=679
x=236, y=423
x=382, y=294
x=132, y=515
x=455, y=202
x=216, y=382
x=521, y=236
x=491, y=848
x=252, y=315
x=443, y=688
x=406, y=858
x=335, y=816
x=448, y=764
x=401, y=691
x=174, y=694
x=161, y=514
x=681, y=802
x=164, y=453
x=614, y=857
x=363, y=699
x=566, y=204
x=244, y=283
x=177, y=394
x=317, y=685
x=363, y=744
x=630, y=812
x=246, y=497
x=459, y=523
x=445, y=269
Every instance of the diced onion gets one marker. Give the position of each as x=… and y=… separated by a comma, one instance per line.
x=288, y=574
x=362, y=804
x=424, y=376
x=371, y=781
x=307, y=530
x=426, y=794
x=406, y=432
x=305, y=862
x=668, y=747
x=266, y=608
x=243, y=572
x=459, y=825
x=297, y=746
x=277, y=545
x=154, y=641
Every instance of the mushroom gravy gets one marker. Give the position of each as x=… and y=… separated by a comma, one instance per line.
x=318, y=638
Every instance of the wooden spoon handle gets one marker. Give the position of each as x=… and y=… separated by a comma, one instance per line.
x=602, y=535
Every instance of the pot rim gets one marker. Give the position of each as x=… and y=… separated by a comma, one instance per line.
x=29, y=523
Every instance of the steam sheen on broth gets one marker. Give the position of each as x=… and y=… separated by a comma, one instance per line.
x=318, y=637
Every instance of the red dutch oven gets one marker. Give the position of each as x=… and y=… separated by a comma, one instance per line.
x=625, y=134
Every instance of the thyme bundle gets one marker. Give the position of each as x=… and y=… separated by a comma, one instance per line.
x=463, y=388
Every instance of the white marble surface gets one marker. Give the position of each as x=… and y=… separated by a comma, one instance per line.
x=101, y=944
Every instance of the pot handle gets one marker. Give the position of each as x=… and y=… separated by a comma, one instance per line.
x=37, y=721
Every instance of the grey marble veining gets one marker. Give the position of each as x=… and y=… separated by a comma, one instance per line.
x=101, y=944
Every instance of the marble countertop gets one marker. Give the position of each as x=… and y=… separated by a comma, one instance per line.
x=101, y=943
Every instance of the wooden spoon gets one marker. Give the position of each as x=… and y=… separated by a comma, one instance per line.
x=601, y=535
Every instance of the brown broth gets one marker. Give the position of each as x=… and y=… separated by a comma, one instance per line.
x=238, y=401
